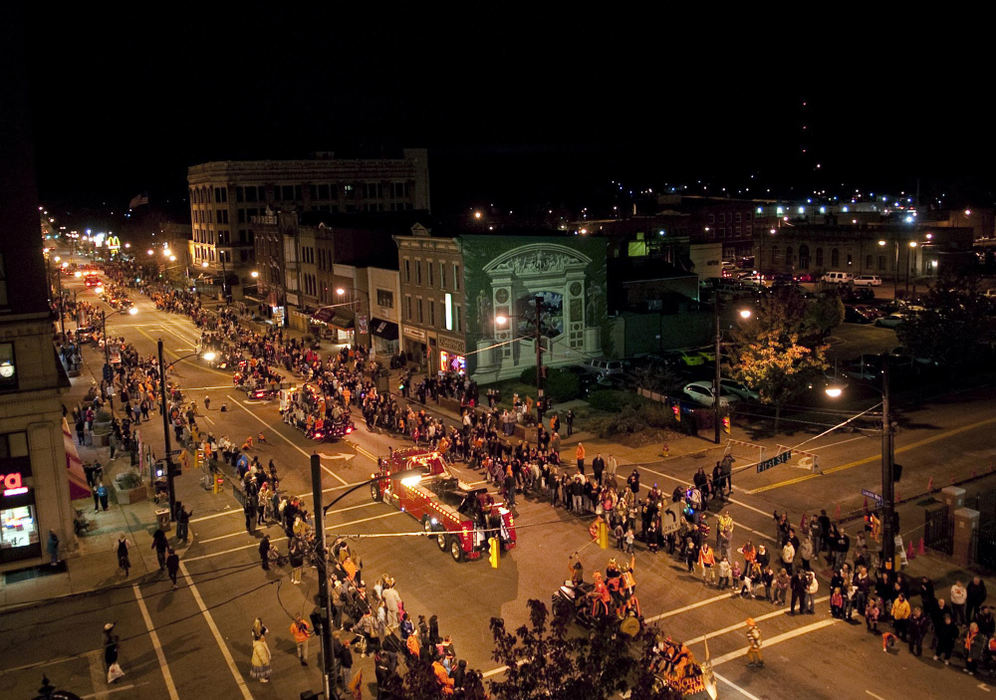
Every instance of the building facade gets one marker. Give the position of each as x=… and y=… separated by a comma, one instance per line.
x=34, y=478
x=226, y=196
x=469, y=303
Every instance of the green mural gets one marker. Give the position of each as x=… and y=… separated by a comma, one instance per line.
x=504, y=274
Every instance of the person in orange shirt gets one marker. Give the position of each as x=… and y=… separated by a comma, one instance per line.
x=579, y=453
x=707, y=560
x=412, y=644
x=442, y=677
x=301, y=633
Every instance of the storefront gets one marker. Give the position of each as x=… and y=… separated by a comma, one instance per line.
x=415, y=346
x=451, y=355
x=385, y=336
x=19, y=533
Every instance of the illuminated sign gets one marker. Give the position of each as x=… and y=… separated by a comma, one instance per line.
x=12, y=484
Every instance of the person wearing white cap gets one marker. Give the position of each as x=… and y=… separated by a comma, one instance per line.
x=111, y=653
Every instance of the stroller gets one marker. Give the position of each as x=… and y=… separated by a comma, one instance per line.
x=275, y=557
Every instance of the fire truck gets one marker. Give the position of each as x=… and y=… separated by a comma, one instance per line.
x=458, y=517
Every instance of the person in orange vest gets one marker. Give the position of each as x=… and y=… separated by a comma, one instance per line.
x=301, y=633
x=707, y=560
x=346, y=394
x=579, y=453
x=412, y=644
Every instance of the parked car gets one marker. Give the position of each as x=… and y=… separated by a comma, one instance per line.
x=893, y=320
x=739, y=389
x=837, y=277
x=867, y=281
x=586, y=378
x=606, y=367
x=701, y=393
x=803, y=277
x=855, y=314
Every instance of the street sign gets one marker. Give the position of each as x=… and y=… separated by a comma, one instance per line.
x=872, y=495
x=774, y=461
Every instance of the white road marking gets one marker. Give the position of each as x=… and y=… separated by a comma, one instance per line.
x=243, y=532
x=749, y=696
x=98, y=677
x=740, y=625
x=116, y=689
x=777, y=639
x=983, y=686
x=678, y=611
x=281, y=435
x=239, y=680
x=208, y=419
x=879, y=697
x=278, y=539
x=164, y=667
x=239, y=511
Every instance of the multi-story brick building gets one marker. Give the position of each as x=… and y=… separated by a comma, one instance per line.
x=226, y=196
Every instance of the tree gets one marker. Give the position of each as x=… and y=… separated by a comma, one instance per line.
x=778, y=366
x=824, y=313
x=953, y=323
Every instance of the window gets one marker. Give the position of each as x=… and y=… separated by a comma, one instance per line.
x=819, y=257
x=788, y=255
x=408, y=272
x=418, y=304
x=459, y=327
x=297, y=193
x=408, y=315
x=418, y=272
x=251, y=194
x=428, y=267
x=881, y=262
x=385, y=298
x=834, y=257
x=8, y=367
x=442, y=275
x=287, y=193
x=432, y=313
x=850, y=259
x=323, y=191
x=456, y=277
x=774, y=255
x=312, y=192
x=239, y=194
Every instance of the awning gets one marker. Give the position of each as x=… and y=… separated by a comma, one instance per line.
x=342, y=319
x=323, y=315
x=77, y=477
x=384, y=329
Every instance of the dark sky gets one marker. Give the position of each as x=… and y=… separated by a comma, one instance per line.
x=515, y=108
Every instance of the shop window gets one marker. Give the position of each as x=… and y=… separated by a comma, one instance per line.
x=385, y=298
x=18, y=529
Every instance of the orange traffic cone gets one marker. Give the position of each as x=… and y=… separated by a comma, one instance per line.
x=922, y=549
x=910, y=554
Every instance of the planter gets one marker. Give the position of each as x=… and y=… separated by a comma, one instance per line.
x=132, y=495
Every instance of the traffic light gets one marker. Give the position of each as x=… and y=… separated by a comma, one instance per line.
x=677, y=413
x=726, y=424
x=494, y=554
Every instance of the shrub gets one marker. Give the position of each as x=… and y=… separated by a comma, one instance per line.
x=128, y=480
x=560, y=385
x=610, y=401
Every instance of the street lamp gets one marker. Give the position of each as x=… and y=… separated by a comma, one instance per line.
x=888, y=465
x=108, y=376
x=329, y=661
x=166, y=441
x=501, y=320
x=744, y=314
x=341, y=291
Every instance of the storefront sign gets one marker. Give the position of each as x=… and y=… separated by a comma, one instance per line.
x=451, y=344
x=12, y=484
x=416, y=333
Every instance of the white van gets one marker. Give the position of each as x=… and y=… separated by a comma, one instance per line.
x=834, y=277
x=867, y=281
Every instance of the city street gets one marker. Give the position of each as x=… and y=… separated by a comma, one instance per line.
x=196, y=641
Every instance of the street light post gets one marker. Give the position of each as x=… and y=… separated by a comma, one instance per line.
x=330, y=663
x=170, y=485
x=717, y=375
x=888, y=471
x=540, y=399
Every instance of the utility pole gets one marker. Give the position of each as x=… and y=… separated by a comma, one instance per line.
x=539, y=360
x=888, y=490
x=329, y=671
x=716, y=380
x=169, y=460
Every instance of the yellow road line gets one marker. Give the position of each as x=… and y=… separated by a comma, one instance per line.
x=873, y=458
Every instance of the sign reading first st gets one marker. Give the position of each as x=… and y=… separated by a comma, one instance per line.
x=774, y=461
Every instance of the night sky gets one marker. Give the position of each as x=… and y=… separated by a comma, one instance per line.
x=518, y=110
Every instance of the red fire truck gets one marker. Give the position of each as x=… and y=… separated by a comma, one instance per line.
x=460, y=518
